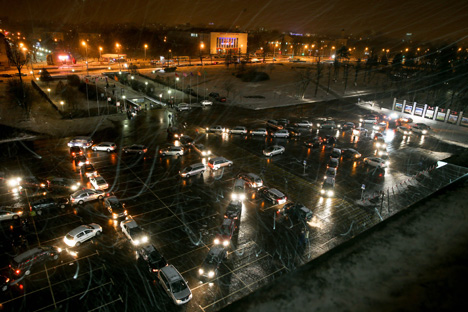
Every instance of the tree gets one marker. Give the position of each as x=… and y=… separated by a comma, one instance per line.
x=342, y=53
x=228, y=86
x=304, y=77
x=45, y=75
x=21, y=94
x=19, y=57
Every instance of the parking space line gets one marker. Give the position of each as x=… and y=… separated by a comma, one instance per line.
x=108, y=303
x=50, y=287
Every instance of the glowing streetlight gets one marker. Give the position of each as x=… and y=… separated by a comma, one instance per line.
x=100, y=50
x=83, y=43
x=48, y=90
x=146, y=47
x=202, y=45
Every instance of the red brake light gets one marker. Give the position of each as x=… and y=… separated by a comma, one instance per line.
x=17, y=271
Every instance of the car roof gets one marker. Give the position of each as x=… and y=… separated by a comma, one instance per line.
x=171, y=273
x=276, y=192
x=27, y=254
x=78, y=229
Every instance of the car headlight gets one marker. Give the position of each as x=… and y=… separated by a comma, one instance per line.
x=242, y=196
x=144, y=239
x=125, y=212
x=114, y=215
x=211, y=274
x=225, y=243
x=378, y=144
x=234, y=196
x=330, y=193
x=207, y=129
x=216, y=241
x=387, y=162
x=318, y=125
x=136, y=242
x=424, y=132
x=322, y=191
x=200, y=271
x=209, y=152
x=14, y=182
x=204, y=153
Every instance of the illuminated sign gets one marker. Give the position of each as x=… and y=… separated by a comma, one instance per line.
x=63, y=57
x=398, y=106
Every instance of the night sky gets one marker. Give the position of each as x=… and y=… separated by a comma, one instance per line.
x=427, y=20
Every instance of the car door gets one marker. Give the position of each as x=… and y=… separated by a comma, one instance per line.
x=80, y=237
x=88, y=234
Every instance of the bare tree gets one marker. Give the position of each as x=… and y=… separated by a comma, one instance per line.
x=304, y=77
x=18, y=57
x=228, y=86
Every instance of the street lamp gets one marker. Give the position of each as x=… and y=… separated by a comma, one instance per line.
x=125, y=103
x=202, y=45
x=62, y=103
x=86, y=47
x=117, y=49
x=274, y=52
x=48, y=90
x=100, y=50
x=146, y=47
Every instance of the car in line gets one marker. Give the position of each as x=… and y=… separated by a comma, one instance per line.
x=252, y=180
x=379, y=135
x=297, y=210
x=153, y=258
x=4, y=283
x=348, y=126
x=233, y=210
x=380, y=144
x=259, y=131
x=335, y=153
x=404, y=130
x=313, y=142
x=81, y=160
x=172, y=151
x=48, y=203
x=281, y=134
x=329, y=124
x=115, y=207
x=206, y=103
x=10, y=214
x=82, y=233
x=98, y=183
x=86, y=195
x=219, y=162
x=303, y=124
x=350, y=153
x=75, y=151
x=81, y=141
x=330, y=172
x=104, y=147
x=360, y=131
x=174, y=285
x=293, y=132
x=333, y=163
x=239, y=130
x=273, y=195
x=194, y=169
x=381, y=126
x=133, y=231
x=135, y=149
x=175, y=132
x=210, y=266
x=217, y=129
x=423, y=126
x=88, y=171
x=375, y=162
x=33, y=259
x=274, y=124
x=273, y=150
x=328, y=187
x=183, y=107
x=202, y=149
x=225, y=232
x=238, y=190
x=186, y=141
x=64, y=184
x=419, y=130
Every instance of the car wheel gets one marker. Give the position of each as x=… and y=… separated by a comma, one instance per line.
x=4, y=288
x=108, y=150
x=281, y=152
x=187, y=175
x=203, y=172
x=100, y=197
x=15, y=217
x=163, y=154
x=273, y=201
x=62, y=206
x=78, y=244
x=27, y=272
x=55, y=257
x=39, y=212
x=366, y=163
x=98, y=233
x=80, y=202
x=95, y=149
x=230, y=164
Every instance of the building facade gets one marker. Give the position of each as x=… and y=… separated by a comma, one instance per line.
x=225, y=43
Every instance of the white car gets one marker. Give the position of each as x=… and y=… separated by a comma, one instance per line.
x=375, y=162
x=418, y=130
x=259, y=131
x=202, y=150
x=404, y=130
x=360, y=131
x=206, y=103
x=273, y=150
x=238, y=130
x=81, y=234
x=304, y=123
x=172, y=151
x=133, y=231
x=174, y=285
x=217, y=128
x=281, y=134
x=10, y=214
x=105, y=147
x=98, y=183
x=82, y=196
x=183, y=106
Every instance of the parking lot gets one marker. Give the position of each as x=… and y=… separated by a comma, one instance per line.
x=182, y=216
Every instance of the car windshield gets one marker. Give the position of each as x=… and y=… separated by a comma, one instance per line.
x=178, y=286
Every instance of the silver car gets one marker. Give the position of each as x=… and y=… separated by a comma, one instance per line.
x=259, y=131
x=273, y=150
x=238, y=130
x=172, y=151
x=174, y=285
x=105, y=147
x=82, y=196
x=281, y=134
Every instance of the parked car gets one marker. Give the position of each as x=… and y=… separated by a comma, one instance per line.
x=328, y=187
x=297, y=210
x=82, y=196
x=81, y=141
x=133, y=231
x=88, y=171
x=217, y=129
x=81, y=234
x=48, y=203
x=174, y=285
x=98, y=183
x=259, y=131
x=253, y=180
x=135, y=148
x=225, y=232
x=404, y=130
x=350, y=153
x=153, y=258
x=183, y=107
x=375, y=162
x=194, y=169
x=10, y=214
x=313, y=142
x=33, y=258
x=206, y=103
x=202, y=150
x=172, y=151
x=273, y=195
x=239, y=130
x=105, y=147
x=219, y=162
x=273, y=150
x=210, y=266
x=281, y=134
x=304, y=123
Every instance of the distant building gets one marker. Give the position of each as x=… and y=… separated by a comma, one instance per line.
x=224, y=42
x=4, y=64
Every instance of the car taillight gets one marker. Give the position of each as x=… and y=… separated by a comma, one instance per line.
x=17, y=272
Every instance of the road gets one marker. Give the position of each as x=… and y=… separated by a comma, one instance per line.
x=183, y=215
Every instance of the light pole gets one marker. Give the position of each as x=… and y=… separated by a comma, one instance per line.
x=100, y=50
x=146, y=47
x=274, y=52
x=202, y=45
x=117, y=49
x=48, y=90
x=62, y=103
x=125, y=103
x=86, y=47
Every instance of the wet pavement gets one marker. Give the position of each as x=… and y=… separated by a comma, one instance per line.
x=182, y=215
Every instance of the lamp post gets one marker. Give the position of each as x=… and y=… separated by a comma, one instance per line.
x=100, y=50
x=62, y=103
x=48, y=90
x=125, y=103
x=117, y=49
x=146, y=47
x=274, y=52
x=86, y=47
x=202, y=45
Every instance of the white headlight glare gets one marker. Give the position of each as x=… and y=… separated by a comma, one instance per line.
x=216, y=241
x=322, y=191
x=200, y=271
x=225, y=243
x=330, y=193
x=211, y=274
x=144, y=239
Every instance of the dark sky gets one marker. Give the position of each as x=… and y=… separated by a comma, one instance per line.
x=431, y=19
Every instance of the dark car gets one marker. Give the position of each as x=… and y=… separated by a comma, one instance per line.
x=293, y=132
x=115, y=207
x=75, y=151
x=88, y=170
x=6, y=75
x=80, y=160
x=314, y=142
x=214, y=95
x=153, y=258
x=297, y=210
x=175, y=132
x=48, y=203
x=186, y=141
x=33, y=182
x=333, y=163
x=210, y=266
x=135, y=148
x=273, y=195
x=377, y=173
x=233, y=210
x=64, y=184
x=225, y=232
x=253, y=180
x=24, y=263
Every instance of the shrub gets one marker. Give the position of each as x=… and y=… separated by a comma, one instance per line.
x=45, y=75
x=73, y=80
